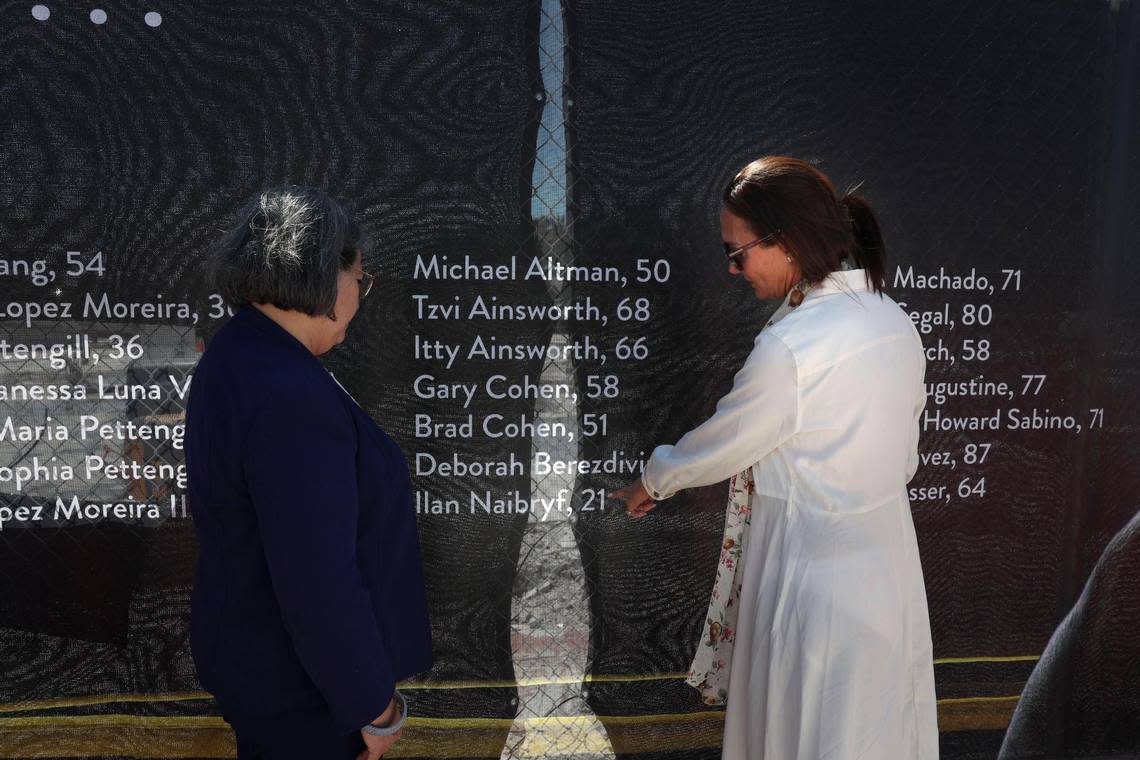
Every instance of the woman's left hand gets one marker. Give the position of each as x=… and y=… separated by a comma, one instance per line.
x=637, y=500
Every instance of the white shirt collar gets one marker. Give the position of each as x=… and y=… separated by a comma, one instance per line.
x=844, y=281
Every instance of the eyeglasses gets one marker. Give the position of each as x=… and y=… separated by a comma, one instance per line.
x=366, y=280
x=736, y=255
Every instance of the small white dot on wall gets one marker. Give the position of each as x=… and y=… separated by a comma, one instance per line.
x=40, y=12
x=154, y=18
x=98, y=16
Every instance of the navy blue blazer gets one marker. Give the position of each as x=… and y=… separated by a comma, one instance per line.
x=309, y=592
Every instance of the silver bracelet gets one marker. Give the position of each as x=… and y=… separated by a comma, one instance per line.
x=401, y=709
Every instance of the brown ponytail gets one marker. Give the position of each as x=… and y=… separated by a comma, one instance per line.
x=796, y=202
x=870, y=253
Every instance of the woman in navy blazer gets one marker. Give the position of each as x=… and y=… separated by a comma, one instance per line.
x=309, y=602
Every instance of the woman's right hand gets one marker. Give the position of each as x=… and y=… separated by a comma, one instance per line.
x=376, y=746
x=637, y=500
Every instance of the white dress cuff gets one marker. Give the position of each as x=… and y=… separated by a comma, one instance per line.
x=654, y=493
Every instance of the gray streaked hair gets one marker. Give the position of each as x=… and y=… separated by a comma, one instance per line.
x=287, y=248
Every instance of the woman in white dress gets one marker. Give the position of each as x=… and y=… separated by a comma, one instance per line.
x=819, y=622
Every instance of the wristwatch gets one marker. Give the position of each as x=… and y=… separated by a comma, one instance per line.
x=394, y=728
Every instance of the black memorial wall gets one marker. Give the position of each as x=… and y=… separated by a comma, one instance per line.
x=998, y=142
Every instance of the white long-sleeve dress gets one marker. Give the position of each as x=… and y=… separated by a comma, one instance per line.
x=832, y=657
